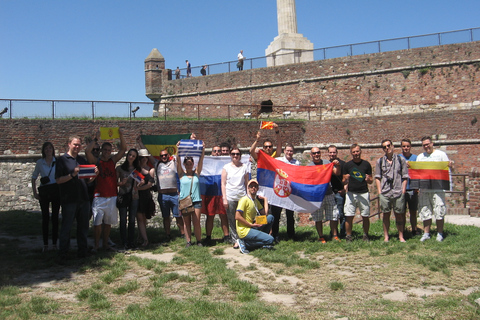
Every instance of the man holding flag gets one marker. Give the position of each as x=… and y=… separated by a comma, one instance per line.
x=73, y=198
x=267, y=145
x=104, y=205
x=431, y=202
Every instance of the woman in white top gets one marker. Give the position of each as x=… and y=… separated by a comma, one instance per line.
x=48, y=192
x=234, y=186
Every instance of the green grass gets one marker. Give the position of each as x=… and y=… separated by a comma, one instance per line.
x=204, y=283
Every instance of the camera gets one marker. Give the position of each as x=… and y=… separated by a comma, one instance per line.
x=45, y=180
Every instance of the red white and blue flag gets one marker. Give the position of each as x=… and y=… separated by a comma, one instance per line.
x=190, y=148
x=211, y=182
x=297, y=188
x=86, y=171
x=137, y=176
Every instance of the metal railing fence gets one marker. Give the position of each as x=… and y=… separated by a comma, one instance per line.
x=86, y=110
x=420, y=41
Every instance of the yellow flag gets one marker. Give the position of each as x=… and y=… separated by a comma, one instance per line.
x=107, y=133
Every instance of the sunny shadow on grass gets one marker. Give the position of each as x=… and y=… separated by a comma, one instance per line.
x=198, y=284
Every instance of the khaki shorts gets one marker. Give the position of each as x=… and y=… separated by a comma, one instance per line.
x=357, y=200
x=389, y=203
x=431, y=204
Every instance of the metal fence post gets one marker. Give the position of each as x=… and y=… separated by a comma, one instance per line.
x=53, y=110
x=93, y=111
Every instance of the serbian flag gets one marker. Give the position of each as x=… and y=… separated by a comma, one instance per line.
x=211, y=182
x=137, y=176
x=86, y=171
x=190, y=148
x=266, y=125
x=434, y=175
x=155, y=144
x=297, y=188
x=107, y=133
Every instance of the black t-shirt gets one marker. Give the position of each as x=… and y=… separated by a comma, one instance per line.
x=74, y=190
x=357, y=172
x=336, y=181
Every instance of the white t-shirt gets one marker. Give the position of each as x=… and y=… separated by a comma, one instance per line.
x=293, y=161
x=436, y=155
x=235, y=186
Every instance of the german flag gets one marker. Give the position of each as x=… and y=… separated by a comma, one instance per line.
x=434, y=175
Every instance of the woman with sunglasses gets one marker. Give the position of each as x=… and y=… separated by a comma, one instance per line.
x=190, y=185
x=234, y=186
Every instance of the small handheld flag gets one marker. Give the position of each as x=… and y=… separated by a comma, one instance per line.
x=109, y=133
x=190, y=148
x=137, y=176
x=266, y=125
x=87, y=171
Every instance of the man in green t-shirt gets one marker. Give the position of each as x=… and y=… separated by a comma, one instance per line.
x=252, y=234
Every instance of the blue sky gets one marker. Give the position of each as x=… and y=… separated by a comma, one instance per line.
x=95, y=49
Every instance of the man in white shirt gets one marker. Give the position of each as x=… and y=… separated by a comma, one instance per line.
x=431, y=202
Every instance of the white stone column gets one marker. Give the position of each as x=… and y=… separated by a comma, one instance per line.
x=289, y=46
x=286, y=16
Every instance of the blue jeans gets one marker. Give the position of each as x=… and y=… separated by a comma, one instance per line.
x=258, y=237
x=340, y=200
x=167, y=202
x=81, y=212
x=232, y=223
x=132, y=215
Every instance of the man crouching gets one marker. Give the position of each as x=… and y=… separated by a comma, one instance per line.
x=252, y=234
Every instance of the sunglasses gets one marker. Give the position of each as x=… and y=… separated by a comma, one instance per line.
x=235, y=153
x=268, y=147
x=96, y=149
x=318, y=152
x=216, y=151
x=387, y=146
x=164, y=155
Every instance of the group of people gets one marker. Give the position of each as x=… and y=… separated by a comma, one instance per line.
x=110, y=191
x=203, y=70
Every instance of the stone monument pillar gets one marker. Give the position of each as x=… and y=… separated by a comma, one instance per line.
x=289, y=46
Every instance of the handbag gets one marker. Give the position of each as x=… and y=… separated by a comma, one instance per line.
x=185, y=205
x=151, y=209
x=124, y=200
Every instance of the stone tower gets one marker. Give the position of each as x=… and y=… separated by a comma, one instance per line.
x=155, y=76
x=289, y=46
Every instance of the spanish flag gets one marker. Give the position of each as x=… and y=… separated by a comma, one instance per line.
x=266, y=125
x=433, y=175
x=155, y=144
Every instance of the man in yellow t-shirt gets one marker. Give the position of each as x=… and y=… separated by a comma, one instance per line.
x=252, y=234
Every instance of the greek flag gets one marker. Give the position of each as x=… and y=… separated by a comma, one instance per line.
x=190, y=148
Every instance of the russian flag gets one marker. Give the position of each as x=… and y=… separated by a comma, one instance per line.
x=137, y=176
x=433, y=175
x=190, y=148
x=86, y=171
x=297, y=188
x=211, y=182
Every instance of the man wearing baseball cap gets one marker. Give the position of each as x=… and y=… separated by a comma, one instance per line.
x=252, y=233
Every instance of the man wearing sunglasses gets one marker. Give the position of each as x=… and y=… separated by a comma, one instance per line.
x=267, y=148
x=391, y=176
x=328, y=210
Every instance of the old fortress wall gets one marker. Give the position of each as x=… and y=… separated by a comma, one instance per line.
x=409, y=93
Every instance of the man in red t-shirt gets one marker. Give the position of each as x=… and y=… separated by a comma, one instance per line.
x=104, y=205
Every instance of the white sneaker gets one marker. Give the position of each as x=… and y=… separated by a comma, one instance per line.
x=439, y=237
x=425, y=236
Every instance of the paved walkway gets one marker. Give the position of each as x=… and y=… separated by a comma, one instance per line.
x=464, y=220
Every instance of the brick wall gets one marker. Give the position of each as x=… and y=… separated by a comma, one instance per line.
x=397, y=82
